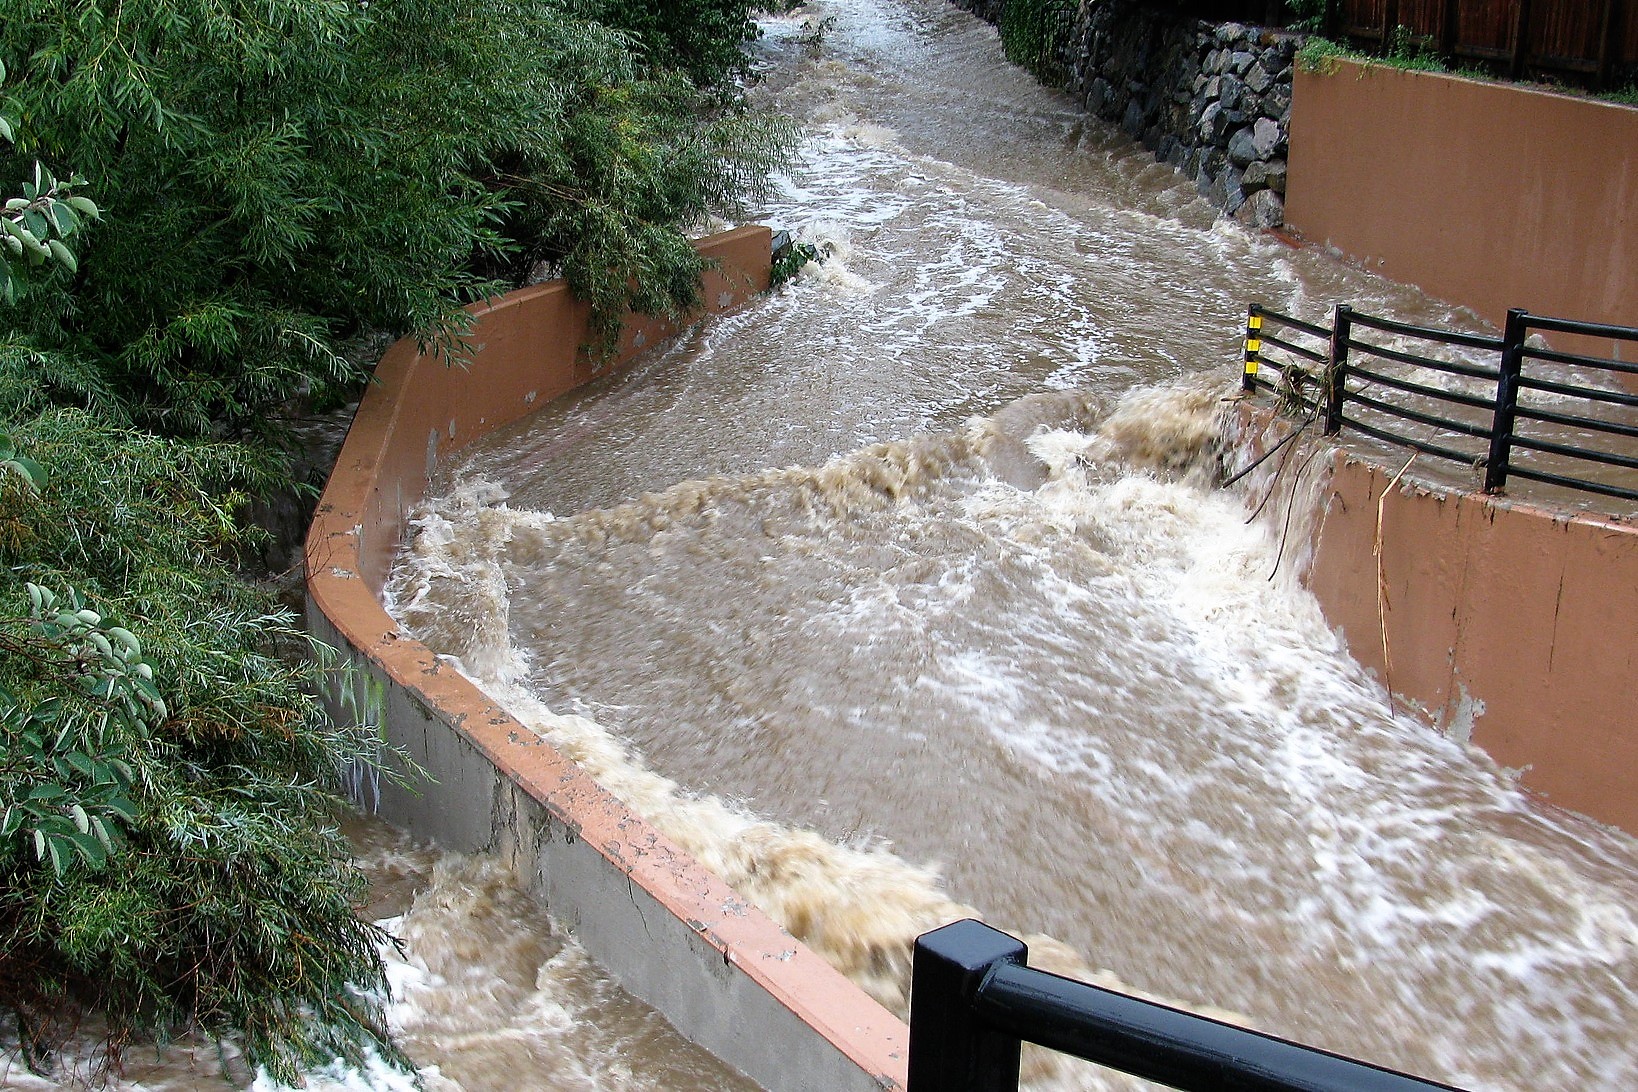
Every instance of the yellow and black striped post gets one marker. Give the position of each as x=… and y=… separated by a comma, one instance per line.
x=1254, y=347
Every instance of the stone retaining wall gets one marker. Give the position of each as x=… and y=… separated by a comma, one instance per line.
x=1212, y=100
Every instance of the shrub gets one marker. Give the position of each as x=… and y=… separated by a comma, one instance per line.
x=283, y=179
x=168, y=851
x=702, y=38
x=292, y=174
x=1034, y=34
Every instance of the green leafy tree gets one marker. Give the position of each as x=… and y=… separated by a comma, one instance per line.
x=168, y=850
x=702, y=38
x=292, y=174
x=284, y=179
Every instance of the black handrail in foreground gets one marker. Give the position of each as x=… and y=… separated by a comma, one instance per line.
x=1335, y=366
x=973, y=1001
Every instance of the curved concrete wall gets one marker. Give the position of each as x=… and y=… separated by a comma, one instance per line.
x=1507, y=624
x=722, y=972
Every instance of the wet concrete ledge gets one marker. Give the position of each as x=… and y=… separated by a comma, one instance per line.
x=1508, y=624
x=722, y=972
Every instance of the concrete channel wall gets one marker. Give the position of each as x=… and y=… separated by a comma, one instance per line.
x=1511, y=626
x=672, y=933
x=1486, y=194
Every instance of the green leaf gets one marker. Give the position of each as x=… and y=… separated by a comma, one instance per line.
x=62, y=217
x=126, y=638
x=63, y=254
x=85, y=206
x=103, y=833
x=121, y=807
x=48, y=792
x=32, y=472
x=92, y=850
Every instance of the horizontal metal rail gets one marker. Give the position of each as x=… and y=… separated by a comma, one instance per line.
x=1605, y=457
x=1422, y=446
x=1307, y=354
x=1415, y=361
x=1293, y=323
x=1589, y=329
x=973, y=1001
x=1459, y=397
x=1342, y=381
x=1581, y=484
x=1408, y=414
x=1594, y=394
x=1428, y=333
x=1578, y=361
x=1571, y=420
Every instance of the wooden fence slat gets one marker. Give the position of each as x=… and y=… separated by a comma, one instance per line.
x=1589, y=37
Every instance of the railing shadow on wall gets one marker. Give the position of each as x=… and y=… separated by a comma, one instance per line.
x=1510, y=407
x=974, y=1000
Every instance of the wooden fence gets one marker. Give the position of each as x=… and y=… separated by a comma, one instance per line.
x=1583, y=41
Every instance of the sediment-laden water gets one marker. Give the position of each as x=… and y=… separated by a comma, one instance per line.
x=906, y=593
x=488, y=995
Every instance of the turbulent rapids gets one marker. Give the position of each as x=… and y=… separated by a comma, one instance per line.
x=1042, y=651
x=908, y=594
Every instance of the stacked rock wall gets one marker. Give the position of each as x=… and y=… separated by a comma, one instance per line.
x=1212, y=100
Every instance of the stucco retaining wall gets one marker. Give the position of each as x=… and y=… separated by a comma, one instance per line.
x=1485, y=194
x=1507, y=624
x=672, y=933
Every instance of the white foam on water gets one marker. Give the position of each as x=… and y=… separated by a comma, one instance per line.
x=1203, y=718
x=966, y=616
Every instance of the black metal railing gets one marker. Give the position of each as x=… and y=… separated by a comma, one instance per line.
x=1491, y=412
x=973, y=1001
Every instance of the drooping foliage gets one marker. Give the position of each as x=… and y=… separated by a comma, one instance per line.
x=1034, y=34
x=278, y=182
x=168, y=851
x=289, y=173
x=699, y=37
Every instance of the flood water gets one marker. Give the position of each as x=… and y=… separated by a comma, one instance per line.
x=907, y=594
x=922, y=554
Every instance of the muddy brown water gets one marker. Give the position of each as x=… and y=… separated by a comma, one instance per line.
x=906, y=594
x=921, y=555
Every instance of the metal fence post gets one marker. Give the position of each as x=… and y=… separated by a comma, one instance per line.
x=1507, y=401
x=1336, y=368
x=1254, y=347
x=951, y=1050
